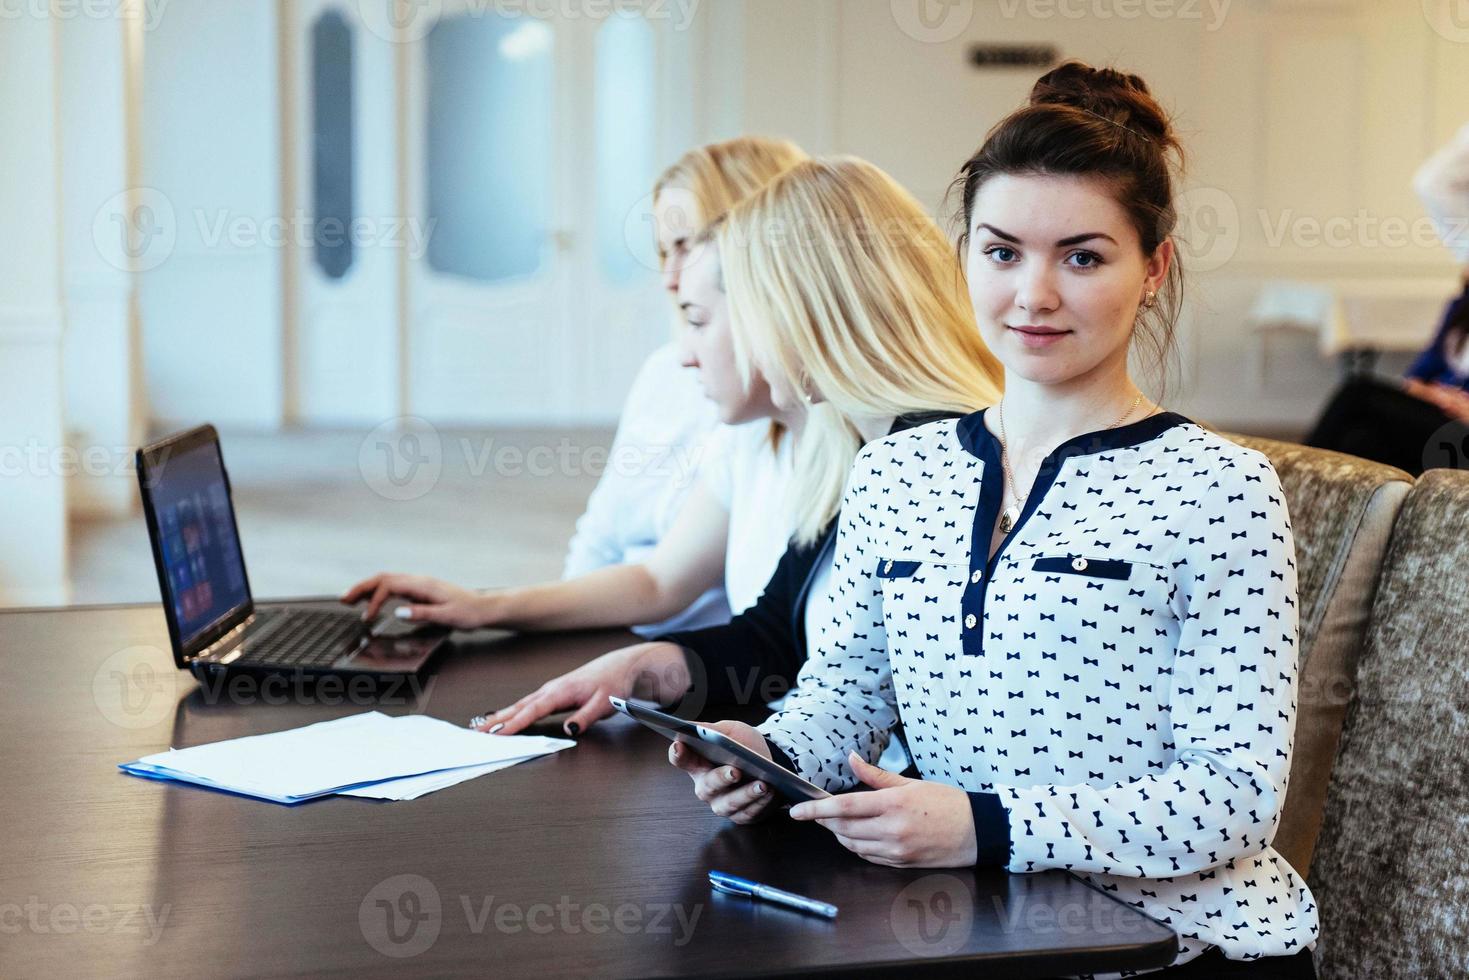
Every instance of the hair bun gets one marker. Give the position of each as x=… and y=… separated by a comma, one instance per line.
x=1115, y=96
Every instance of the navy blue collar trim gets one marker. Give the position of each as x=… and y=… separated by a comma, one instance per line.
x=978, y=441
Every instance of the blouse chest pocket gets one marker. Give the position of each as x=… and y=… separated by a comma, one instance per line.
x=1094, y=582
x=1108, y=568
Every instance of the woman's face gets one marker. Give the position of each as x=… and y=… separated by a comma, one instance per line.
x=1056, y=273
x=676, y=215
x=706, y=343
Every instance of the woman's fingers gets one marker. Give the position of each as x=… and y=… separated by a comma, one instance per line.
x=361, y=589
x=689, y=761
x=550, y=699
x=746, y=801
x=710, y=785
x=593, y=710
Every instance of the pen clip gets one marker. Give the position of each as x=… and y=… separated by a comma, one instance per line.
x=731, y=884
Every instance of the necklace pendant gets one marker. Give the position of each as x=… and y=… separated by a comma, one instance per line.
x=1009, y=519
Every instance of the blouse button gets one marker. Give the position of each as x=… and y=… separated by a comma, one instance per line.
x=1079, y=564
x=969, y=621
x=978, y=574
x=887, y=568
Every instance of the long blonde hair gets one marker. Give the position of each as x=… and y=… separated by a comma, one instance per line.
x=845, y=284
x=720, y=175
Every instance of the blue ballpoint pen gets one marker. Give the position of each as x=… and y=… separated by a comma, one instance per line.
x=753, y=889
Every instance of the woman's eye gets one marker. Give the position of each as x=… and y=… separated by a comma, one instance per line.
x=1084, y=260
x=1000, y=253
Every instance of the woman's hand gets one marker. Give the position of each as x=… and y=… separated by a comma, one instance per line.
x=434, y=601
x=902, y=822
x=723, y=787
x=655, y=671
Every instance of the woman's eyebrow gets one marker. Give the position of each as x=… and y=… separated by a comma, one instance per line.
x=1063, y=243
x=999, y=234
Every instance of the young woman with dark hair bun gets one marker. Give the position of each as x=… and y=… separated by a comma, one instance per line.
x=1081, y=608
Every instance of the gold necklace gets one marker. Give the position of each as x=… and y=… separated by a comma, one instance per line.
x=1011, y=516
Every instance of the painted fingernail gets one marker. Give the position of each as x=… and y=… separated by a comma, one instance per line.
x=496, y=727
x=760, y=789
x=572, y=728
x=403, y=612
x=730, y=776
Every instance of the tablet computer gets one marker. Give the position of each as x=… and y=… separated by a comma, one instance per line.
x=721, y=750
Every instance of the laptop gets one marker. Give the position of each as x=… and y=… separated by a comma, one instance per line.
x=214, y=624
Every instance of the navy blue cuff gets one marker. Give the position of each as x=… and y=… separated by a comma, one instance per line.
x=778, y=755
x=991, y=830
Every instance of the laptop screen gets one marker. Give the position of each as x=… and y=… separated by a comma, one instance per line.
x=202, y=563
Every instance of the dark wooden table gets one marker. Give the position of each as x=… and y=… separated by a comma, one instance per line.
x=591, y=862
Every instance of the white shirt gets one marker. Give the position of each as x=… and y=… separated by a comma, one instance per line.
x=1121, y=674
x=750, y=478
x=1442, y=183
x=652, y=465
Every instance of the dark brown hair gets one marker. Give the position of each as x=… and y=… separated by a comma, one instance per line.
x=1103, y=124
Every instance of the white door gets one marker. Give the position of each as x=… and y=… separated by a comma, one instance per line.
x=351, y=232
x=529, y=148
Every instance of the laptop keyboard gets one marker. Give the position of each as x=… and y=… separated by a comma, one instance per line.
x=301, y=637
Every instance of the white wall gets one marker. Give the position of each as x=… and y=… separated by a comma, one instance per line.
x=103, y=421
x=210, y=285
x=32, y=465
x=1293, y=111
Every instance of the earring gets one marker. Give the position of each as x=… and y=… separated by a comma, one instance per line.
x=804, y=389
x=1148, y=299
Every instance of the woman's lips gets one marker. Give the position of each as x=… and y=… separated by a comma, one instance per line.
x=1036, y=337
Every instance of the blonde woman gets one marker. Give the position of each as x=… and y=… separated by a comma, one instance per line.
x=666, y=416
x=834, y=292
x=642, y=551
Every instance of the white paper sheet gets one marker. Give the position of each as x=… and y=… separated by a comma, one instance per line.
x=355, y=752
